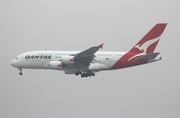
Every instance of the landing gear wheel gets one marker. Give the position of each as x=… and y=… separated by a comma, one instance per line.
x=20, y=73
x=82, y=75
x=92, y=74
x=78, y=73
x=87, y=74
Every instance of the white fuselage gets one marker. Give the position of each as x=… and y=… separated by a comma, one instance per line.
x=42, y=59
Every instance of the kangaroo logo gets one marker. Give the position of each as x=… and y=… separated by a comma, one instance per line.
x=143, y=48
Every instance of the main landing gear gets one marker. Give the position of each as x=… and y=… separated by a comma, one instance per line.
x=85, y=74
x=20, y=73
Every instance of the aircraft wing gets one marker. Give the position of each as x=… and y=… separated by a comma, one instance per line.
x=84, y=58
x=89, y=51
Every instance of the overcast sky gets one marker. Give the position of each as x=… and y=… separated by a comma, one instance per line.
x=147, y=91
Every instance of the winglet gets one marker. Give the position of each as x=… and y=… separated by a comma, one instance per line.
x=101, y=46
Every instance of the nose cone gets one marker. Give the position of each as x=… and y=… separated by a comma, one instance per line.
x=13, y=63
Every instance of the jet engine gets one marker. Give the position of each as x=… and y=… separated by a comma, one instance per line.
x=68, y=59
x=57, y=65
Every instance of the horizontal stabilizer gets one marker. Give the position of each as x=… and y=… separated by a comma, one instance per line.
x=150, y=56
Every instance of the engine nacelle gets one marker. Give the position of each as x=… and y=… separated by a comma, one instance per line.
x=68, y=59
x=57, y=65
x=97, y=67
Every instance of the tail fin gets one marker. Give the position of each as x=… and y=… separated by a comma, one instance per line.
x=148, y=43
x=144, y=48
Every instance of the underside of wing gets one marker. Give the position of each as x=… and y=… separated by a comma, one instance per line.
x=84, y=58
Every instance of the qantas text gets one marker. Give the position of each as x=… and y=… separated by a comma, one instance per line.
x=38, y=57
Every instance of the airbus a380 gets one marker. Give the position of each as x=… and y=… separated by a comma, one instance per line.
x=86, y=63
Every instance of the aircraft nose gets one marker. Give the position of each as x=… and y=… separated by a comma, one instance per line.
x=13, y=62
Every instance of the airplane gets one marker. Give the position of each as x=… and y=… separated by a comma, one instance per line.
x=86, y=63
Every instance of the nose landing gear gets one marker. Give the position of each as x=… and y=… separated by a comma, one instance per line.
x=20, y=73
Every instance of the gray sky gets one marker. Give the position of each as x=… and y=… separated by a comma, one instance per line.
x=148, y=91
